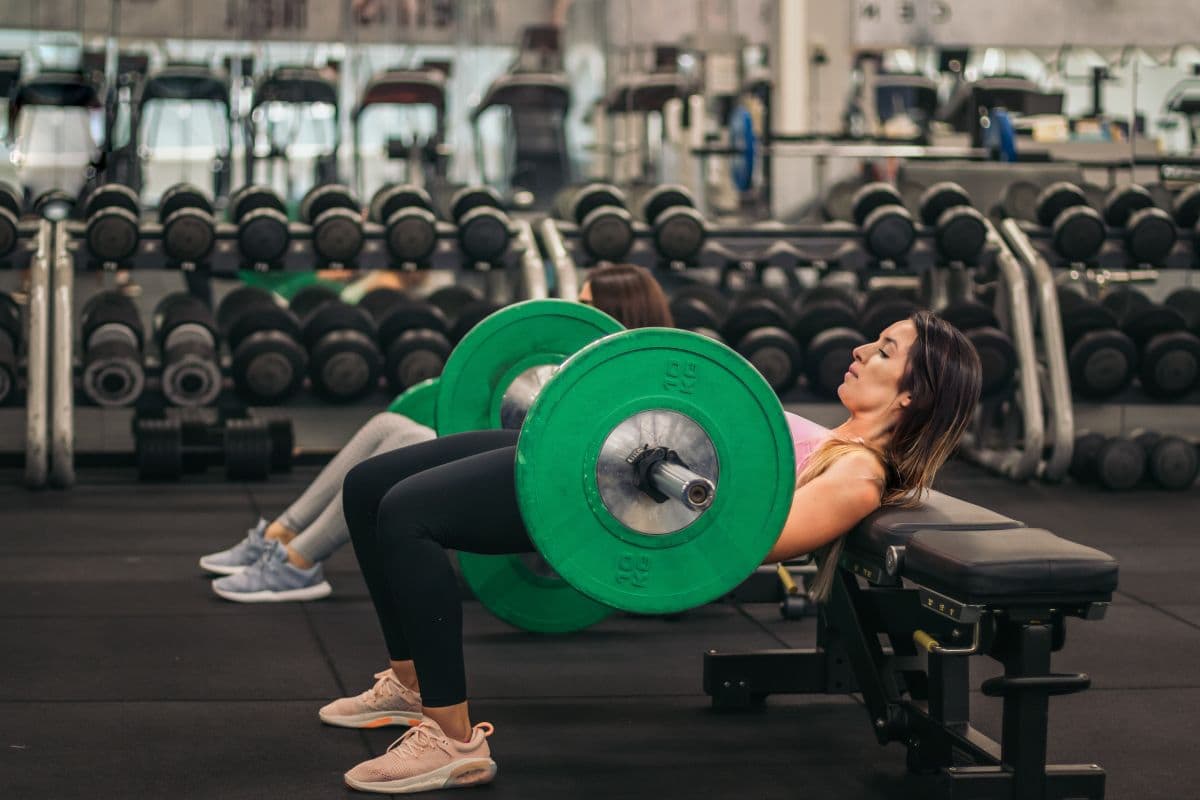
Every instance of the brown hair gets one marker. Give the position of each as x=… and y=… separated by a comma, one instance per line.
x=943, y=377
x=631, y=295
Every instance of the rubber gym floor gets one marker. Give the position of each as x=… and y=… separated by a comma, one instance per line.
x=123, y=676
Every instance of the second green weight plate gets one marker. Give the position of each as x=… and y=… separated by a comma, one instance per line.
x=529, y=595
x=501, y=347
x=419, y=403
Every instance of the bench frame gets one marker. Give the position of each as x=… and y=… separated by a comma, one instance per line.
x=920, y=696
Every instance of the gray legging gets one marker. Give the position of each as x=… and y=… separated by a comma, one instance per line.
x=317, y=514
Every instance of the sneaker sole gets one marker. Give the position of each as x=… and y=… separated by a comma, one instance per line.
x=322, y=589
x=220, y=569
x=455, y=775
x=372, y=719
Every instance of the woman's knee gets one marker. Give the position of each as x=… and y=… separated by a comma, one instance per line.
x=400, y=517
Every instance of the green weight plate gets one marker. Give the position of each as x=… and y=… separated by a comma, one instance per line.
x=533, y=599
x=703, y=400
x=501, y=347
x=418, y=403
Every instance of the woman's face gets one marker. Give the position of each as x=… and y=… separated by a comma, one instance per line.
x=585, y=293
x=872, y=383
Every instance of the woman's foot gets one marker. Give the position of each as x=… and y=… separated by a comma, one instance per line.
x=272, y=579
x=388, y=702
x=241, y=555
x=424, y=759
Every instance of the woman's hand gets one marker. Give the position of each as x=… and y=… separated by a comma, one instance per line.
x=830, y=505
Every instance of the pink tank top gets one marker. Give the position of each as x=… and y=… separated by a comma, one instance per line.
x=807, y=436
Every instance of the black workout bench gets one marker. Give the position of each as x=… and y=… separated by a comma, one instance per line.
x=943, y=581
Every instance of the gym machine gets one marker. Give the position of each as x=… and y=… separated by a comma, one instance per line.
x=424, y=157
x=50, y=126
x=293, y=121
x=533, y=96
x=195, y=102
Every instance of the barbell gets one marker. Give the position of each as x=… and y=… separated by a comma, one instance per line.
x=654, y=467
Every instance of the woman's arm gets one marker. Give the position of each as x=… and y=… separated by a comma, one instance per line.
x=830, y=505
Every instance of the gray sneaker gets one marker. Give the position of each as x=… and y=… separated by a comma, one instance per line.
x=241, y=555
x=272, y=579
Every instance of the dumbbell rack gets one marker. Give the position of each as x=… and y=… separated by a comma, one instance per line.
x=25, y=419
x=519, y=274
x=1132, y=408
x=746, y=255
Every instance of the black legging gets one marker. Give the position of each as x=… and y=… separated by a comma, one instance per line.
x=404, y=509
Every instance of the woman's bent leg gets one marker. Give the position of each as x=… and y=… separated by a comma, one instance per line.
x=363, y=491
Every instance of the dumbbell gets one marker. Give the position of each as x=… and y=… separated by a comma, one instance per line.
x=1187, y=302
x=1186, y=209
x=825, y=326
x=268, y=360
x=189, y=228
x=410, y=226
x=1101, y=357
x=1076, y=229
x=343, y=360
x=10, y=345
x=249, y=448
x=838, y=204
x=262, y=223
x=1116, y=463
x=336, y=221
x=1149, y=231
x=700, y=308
x=605, y=226
x=483, y=228
x=187, y=339
x=997, y=354
x=112, y=212
x=463, y=307
x=670, y=211
x=54, y=205
x=887, y=227
x=959, y=229
x=757, y=327
x=883, y=307
x=1169, y=355
x=412, y=335
x=471, y=315
x=113, y=337
x=10, y=215
x=1172, y=462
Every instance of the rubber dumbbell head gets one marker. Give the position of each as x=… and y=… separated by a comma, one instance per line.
x=113, y=338
x=471, y=315
x=1169, y=363
x=310, y=298
x=1186, y=208
x=336, y=222
x=754, y=308
x=699, y=305
x=112, y=222
x=1171, y=461
x=997, y=353
x=483, y=227
x=1149, y=231
x=344, y=360
x=247, y=449
x=262, y=224
x=1187, y=302
x=406, y=212
x=1120, y=464
x=605, y=226
x=1100, y=357
x=960, y=230
x=54, y=205
x=827, y=356
x=10, y=342
x=10, y=215
x=414, y=339
x=669, y=209
x=453, y=298
x=268, y=360
x=823, y=308
x=187, y=339
x=882, y=310
x=774, y=353
x=1020, y=200
x=189, y=229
